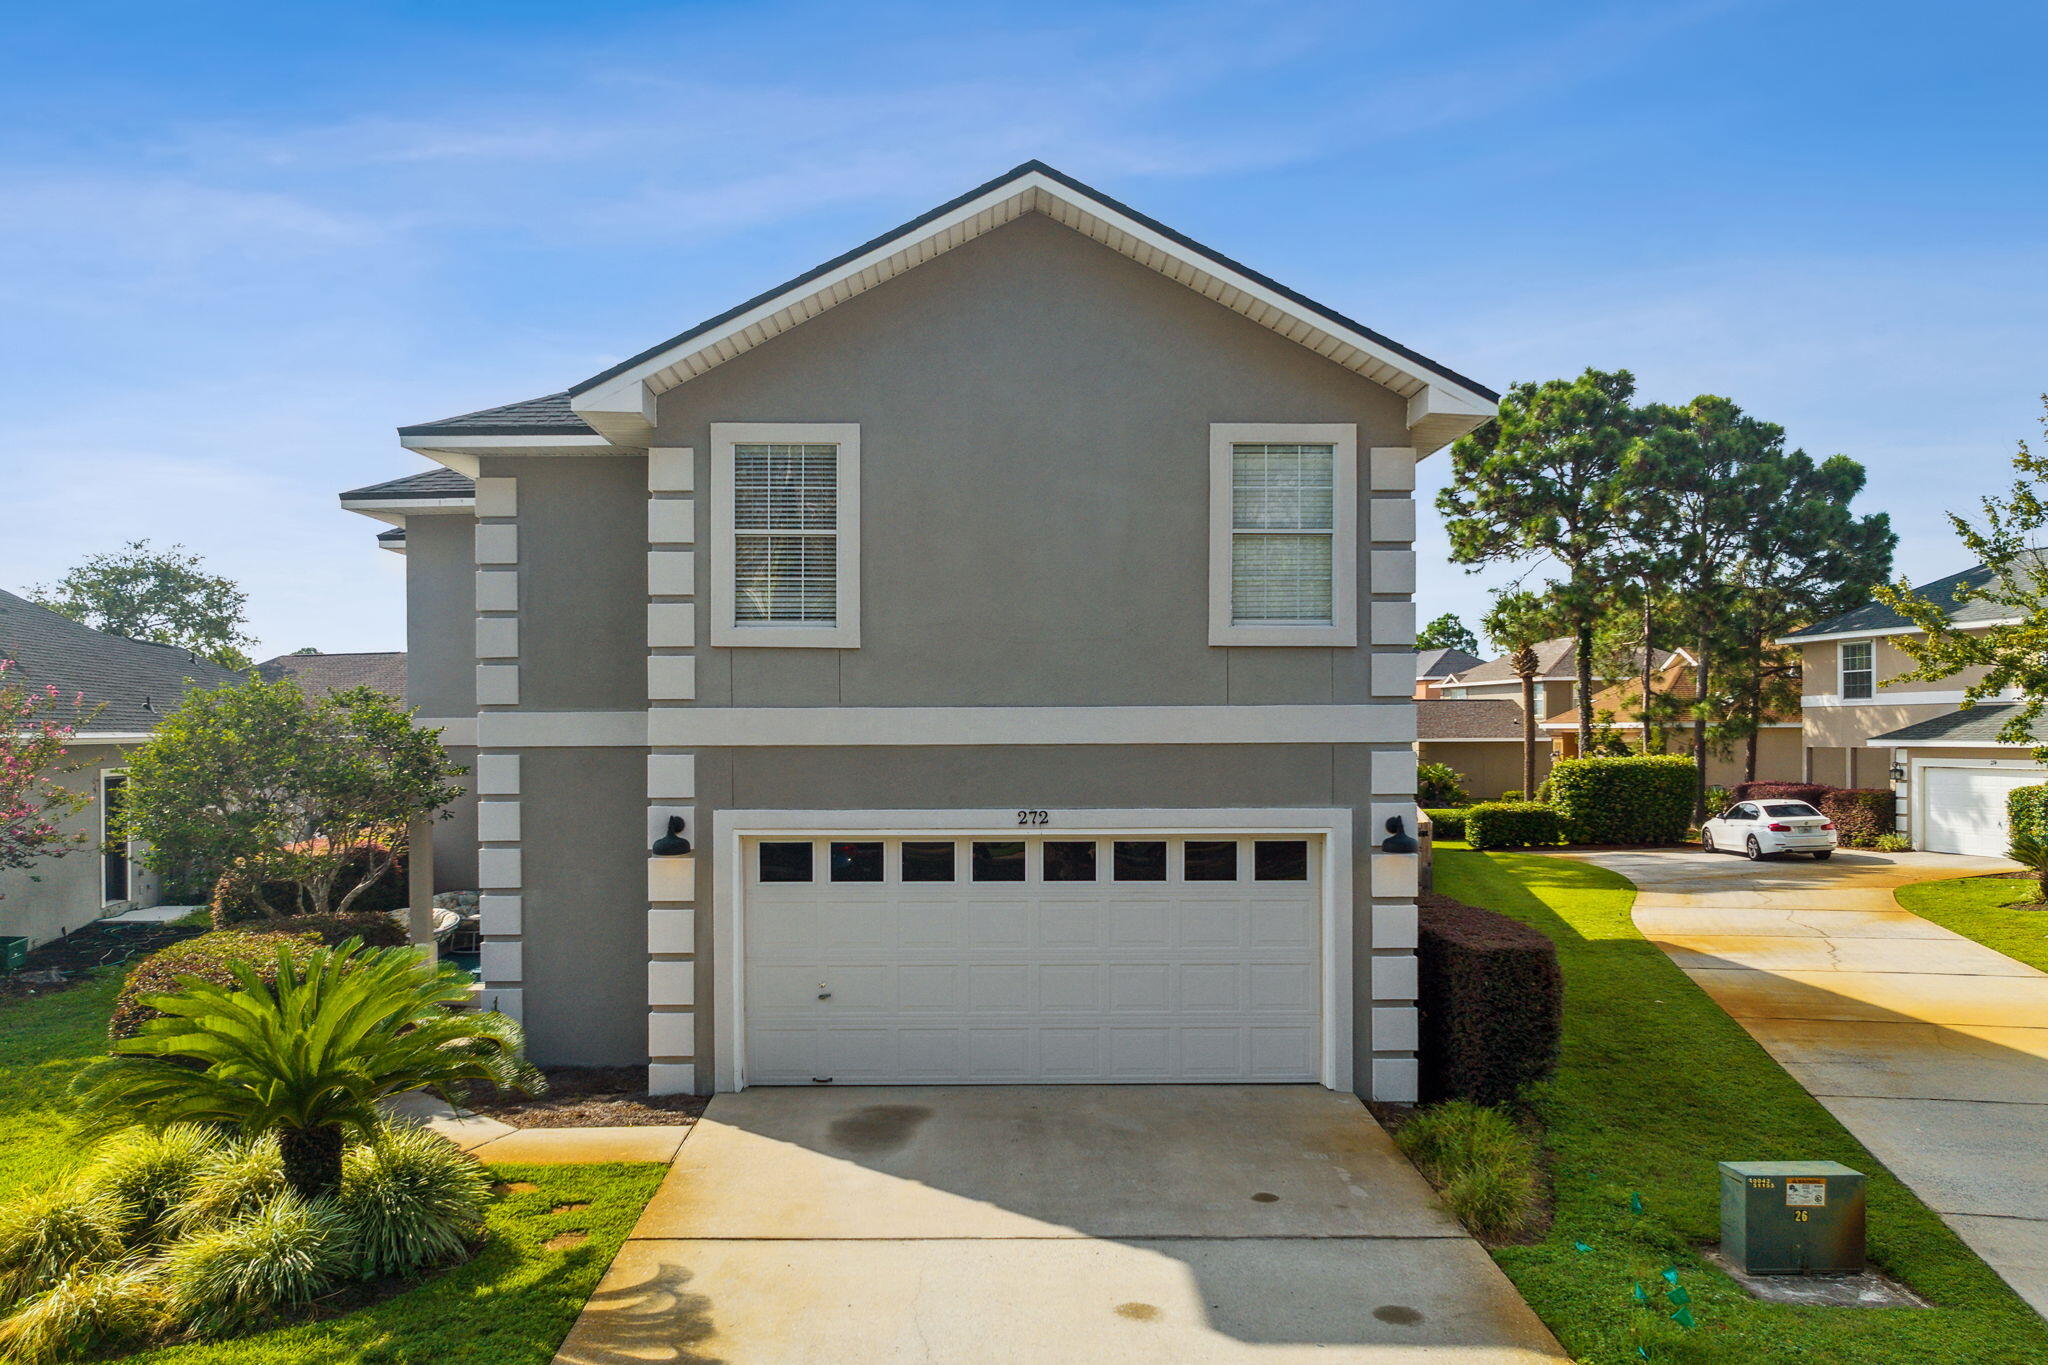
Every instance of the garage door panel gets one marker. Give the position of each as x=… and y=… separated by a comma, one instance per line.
x=930, y=987
x=1003, y=1054
x=1071, y=988
x=1141, y=987
x=999, y=989
x=1140, y=1054
x=1212, y=986
x=1212, y=1053
x=1963, y=809
x=1138, y=924
x=1277, y=1053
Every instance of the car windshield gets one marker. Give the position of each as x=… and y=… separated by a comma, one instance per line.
x=1784, y=808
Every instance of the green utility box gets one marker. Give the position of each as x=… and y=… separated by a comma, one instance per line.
x=1792, y=1217
x=13, y=953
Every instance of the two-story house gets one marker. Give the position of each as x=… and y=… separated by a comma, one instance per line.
x=1865, y=726
x=1014, y=614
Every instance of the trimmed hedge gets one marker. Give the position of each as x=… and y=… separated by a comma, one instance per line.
x=2026, y=810
x=1511, y=824
x=1641, y=799
x=1809, y=792
x=1447, y=822
x=1860, y=813
x=1491, y=999
x=208, y=957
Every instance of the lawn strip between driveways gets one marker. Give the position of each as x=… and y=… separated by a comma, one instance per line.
x=1655, y=1086
x=1982, y=908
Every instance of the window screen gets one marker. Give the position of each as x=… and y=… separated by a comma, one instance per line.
x=1283, y=532
x=1859, y=676
x=786, y=533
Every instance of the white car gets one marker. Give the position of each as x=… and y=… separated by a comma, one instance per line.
x=1761, y=829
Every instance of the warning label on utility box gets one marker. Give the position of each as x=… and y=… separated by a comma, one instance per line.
x=1806, y=1193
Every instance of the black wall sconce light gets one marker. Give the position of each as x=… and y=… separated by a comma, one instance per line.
x=1898, y=772
x=1398, y=839
x=671, y=844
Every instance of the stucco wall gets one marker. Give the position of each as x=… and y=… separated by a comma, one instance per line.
x=440, y=666
x=53, y=896
x=1489, y=767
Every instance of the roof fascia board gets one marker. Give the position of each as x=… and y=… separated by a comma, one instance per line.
x=394, y=511
x=1892, y=630
x=620, y=403
x=1882, y=743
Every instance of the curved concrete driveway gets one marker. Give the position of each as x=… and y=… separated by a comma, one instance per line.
x=1931, y=1048
x=1210, y=1224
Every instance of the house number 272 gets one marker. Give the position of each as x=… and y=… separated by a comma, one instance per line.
x=1032, y=817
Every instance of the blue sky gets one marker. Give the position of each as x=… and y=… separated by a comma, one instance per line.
x=240, y=243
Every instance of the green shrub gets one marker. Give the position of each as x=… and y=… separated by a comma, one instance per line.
x=210, y=957
x=52, y=1232
x=1512, y=824
x=1718, y=800
x=148, y=1174
x=1641, y=799
x=1892, y=842
x=1511, y=794
x=1860, y=813
x=410, y=1199
x=2026, y=810
x=233, y=905
x=1447, y=822
x=1491, y=1000
x=235, y=1180
x=88, y=1313
x=1484, y=1164
x=285, y=1254
x=1439, y=784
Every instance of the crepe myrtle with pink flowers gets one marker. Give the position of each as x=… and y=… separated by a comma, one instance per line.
x=36, y=726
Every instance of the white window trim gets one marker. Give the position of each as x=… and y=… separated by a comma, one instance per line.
x=1343, y=630
x=726, y=632
x=1842, y=670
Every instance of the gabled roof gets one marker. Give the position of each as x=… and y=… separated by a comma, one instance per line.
x=433, y=483
x=1623, y=701
x=617, y=403
x=319, y=674
x=1556, y=661
x=1979, y=724
x=1468, y=718
x=1441, y=663
x=137, y=681
x=1876, y=618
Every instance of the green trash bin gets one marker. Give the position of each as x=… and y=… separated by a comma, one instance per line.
x=13, y=953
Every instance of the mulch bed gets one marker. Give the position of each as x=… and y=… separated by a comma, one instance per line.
x=78, y=954
x=590, y=1097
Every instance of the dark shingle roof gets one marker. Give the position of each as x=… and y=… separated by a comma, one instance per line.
x=137, y=681
x=548, y=416
x=1978, y=725
x=1436, y=663
x=1470, y=718
x=319, y=674
x=432, y=483
x=1874, y=616
x=394, y=536
x=1555, y=659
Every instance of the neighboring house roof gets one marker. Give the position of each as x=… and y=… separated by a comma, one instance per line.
x=615, y=403
x=1622, y=701
x=137, y=682
x=1468, y=718
x=1441, y=663
x=1556, y=661
x=393, y=539
x=1978, y=725
x=1875, y=618
x=319, y=674
x=431, y=483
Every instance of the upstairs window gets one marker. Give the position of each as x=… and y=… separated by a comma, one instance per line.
x=1859, y=670
x=1283, y=551
x=786, y=556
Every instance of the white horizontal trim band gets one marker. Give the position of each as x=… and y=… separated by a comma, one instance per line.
x=1884, y=698
x=458, y=732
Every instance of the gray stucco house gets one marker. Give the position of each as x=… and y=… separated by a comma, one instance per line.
x=1017, y=612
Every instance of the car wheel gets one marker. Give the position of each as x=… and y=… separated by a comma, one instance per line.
x=1756, y=850
x=1823, y=855
x=1707, y=842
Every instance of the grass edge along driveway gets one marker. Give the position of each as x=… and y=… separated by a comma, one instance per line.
x=512, y=1305
x=1980, y=908
x=1655, y=1086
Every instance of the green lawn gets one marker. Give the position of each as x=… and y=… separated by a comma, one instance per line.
x=1979, y=908
x=512, y=1305
x=1657, y=1084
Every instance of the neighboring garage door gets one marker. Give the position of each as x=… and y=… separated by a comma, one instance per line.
x=1963, y=809
x=1072, y=958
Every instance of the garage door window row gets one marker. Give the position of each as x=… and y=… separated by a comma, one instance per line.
x=1047, y=860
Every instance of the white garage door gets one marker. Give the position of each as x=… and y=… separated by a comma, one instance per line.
x=1063, y=958
x=1963, y=809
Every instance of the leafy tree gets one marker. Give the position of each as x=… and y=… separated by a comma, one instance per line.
x=2014, y=654
x=1447, y=632
x=306, y=1057
x=1553, y=476
x=261, y=781
x=164, y=596
x=1516, y=622
x=36, y=725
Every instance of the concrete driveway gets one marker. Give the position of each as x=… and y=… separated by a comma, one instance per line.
x=1049, y=1223
x=1932, y=1049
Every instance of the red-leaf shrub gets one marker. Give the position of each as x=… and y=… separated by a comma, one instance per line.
x=1491, y=997
x=210, y=957
x=1809, y=792
x=1860, y=813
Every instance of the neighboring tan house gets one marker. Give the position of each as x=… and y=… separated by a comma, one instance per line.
x=1619, y=708
x=1481, y=739
x=1434, y=666
x=320, y=675
x=1017, y=613
x=1863, y=727
x=134, y=683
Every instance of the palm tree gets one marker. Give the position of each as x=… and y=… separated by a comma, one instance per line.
x=306, y=1058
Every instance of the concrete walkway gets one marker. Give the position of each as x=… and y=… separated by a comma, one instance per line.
x=1198, y=1224
x=1932, y=1049
x=492, y=1141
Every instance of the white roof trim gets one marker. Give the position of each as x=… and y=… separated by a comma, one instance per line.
x=1439, y=410
x=396, y=510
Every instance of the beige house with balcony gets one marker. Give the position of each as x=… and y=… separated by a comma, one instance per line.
x=1863, y=725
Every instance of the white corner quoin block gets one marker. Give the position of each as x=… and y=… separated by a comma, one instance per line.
x=672, y=1035
x=672, y=879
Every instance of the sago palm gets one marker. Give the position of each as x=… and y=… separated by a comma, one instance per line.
x=2030, y=851
x=306, y=1058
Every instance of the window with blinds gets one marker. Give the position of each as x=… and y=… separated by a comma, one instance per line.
x=1283, y=533
x=786, y=534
